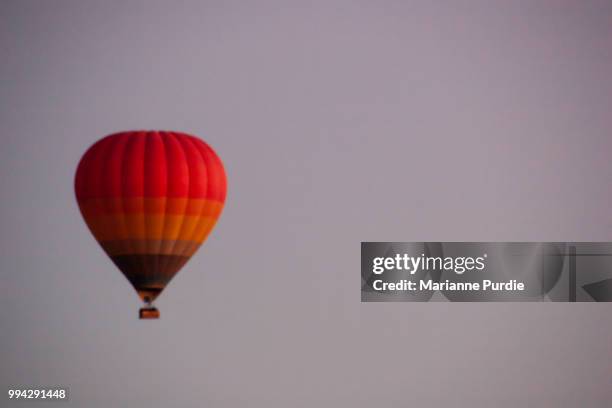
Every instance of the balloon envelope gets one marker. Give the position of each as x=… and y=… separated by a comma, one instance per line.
x=150, y=198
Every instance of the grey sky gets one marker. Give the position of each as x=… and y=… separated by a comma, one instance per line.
x=338, y=122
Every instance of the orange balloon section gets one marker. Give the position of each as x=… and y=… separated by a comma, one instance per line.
x=150, y=198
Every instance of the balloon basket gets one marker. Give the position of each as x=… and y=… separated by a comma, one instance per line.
x=148, y=313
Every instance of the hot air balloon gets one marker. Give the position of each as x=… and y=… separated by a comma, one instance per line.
x=150, y=198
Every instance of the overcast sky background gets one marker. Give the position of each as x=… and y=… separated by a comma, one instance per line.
x=338, y=122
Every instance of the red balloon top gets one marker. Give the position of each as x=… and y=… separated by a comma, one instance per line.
x=150, y=164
